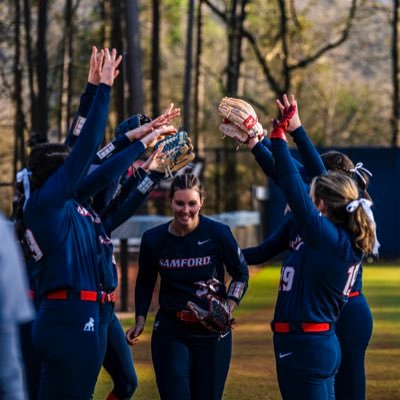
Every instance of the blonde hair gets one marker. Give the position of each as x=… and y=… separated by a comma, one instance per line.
x=337, y=190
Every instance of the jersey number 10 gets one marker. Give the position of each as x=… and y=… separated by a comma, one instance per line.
x=352, y=275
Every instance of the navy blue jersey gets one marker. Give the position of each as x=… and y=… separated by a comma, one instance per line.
x=60, y=230
x=183, y=261
x=317, y=277
x=284, y=238
x=85, y=103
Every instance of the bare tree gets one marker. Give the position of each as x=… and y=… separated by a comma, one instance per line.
x=280, y=81
x=236, y=19
x=29, y=61
x=19, y=152
x=117, y=43
x=41, y=70
x=197, y=75
x=188, y=67
x=395, y=120
x=155, y=59
x=134, y=58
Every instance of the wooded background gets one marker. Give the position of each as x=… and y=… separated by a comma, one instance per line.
x=339, y=57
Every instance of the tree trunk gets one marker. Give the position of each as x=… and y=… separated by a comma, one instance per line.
x=187, y=85
x=19, y=153
x=197, y=78
x=235, y=37
x=65, y=74
x=134, y=58
x=395, y=120
x=155, y=60
x=41, y=70
x=117, y=43
x=29, y=60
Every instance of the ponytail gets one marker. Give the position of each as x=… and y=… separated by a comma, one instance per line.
x=344, y=208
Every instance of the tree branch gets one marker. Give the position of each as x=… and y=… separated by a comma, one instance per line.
x=343, y=37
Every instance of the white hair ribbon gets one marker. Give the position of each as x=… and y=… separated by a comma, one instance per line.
x=366, y=205
x=360, y=167
x=23, y=176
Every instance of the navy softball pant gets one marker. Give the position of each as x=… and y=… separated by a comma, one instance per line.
x=71, y=342
x=190, y=363
x=31, y=360
x=354, y=331
x=118, y=362
x=306, y=364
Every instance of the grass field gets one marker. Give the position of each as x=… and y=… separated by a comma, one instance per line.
x=252, y=373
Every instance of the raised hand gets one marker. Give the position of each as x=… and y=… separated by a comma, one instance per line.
x=167, y=116
x=95, y=66
x=158, y=134
x=289, y=110
x=155, y=161
x=294, y=121
x=110, y=71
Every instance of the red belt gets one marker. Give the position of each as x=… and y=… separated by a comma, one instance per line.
x=186, y=316
x=286, y=327
x=354, y=294
x=84, y=295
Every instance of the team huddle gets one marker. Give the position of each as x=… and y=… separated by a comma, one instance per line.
x=322, y=322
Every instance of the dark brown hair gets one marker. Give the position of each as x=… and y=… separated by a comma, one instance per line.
x=186, y=181
x=337, y=161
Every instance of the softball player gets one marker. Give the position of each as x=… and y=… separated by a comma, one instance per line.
x=63, y=241
x=190, y=362
x=354, y=327
x=316, y=276
x=118, y=360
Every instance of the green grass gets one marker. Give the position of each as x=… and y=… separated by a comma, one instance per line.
x=252, y=373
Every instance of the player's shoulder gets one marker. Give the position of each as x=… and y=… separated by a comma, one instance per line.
x=156, y=232
x=217, y=227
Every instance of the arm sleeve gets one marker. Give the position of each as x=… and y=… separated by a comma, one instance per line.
x=311, y=159
x=112, y=148
x=146, y=278
x=316, y=228
x=133, y=202
x=61, y=185
x=272, y=246
x=265, y=159
x=80, y=116
x=235, y=264
x=108, y=171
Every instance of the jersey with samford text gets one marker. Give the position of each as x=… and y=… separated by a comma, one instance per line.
x=183, y=261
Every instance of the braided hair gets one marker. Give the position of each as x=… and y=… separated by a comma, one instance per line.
x=43, y=161
x=186, y=181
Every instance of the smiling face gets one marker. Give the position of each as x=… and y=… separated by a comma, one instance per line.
x=186, y=204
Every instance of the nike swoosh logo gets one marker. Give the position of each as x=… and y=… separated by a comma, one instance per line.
x=202, y=242
x=283, y=355
x=225, y=334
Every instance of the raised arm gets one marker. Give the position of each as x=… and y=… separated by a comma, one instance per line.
x=311, y=159
x=315, y=227
x=87, y=97
x=275, y=244
x=62, y=184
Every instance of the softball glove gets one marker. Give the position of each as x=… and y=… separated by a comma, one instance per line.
x=177, y=152
x=242, y=115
